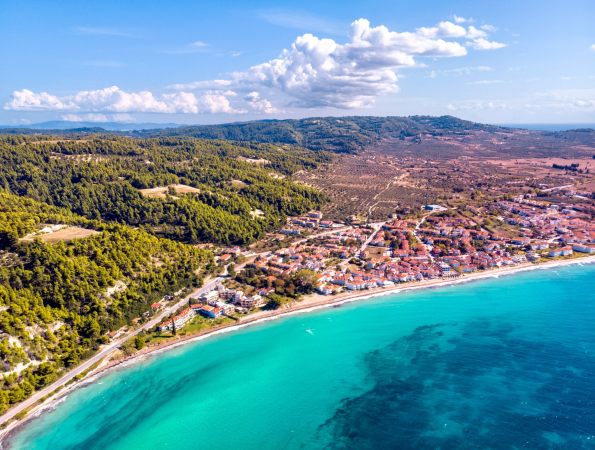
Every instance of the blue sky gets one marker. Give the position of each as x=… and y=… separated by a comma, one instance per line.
x=219, y=61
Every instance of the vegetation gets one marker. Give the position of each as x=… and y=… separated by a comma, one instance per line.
x=56, y=306
x=297, y=284
x=235, y=201
x=338, y=134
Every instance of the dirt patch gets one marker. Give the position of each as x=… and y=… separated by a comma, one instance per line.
x=57, y=233
x=161, y=191
x=238, y=184
x=256, y=161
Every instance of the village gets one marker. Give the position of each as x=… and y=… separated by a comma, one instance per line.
x=324, y=257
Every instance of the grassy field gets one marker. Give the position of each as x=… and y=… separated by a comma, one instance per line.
x=60, y=233
x=161, y=191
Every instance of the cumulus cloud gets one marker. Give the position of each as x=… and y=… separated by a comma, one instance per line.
x=257, y=103
x=444, y=29
x=218, y=102
x=319, y=72
x=26, y=100
x=114, y=99
x=313, y=72
x=484, y=44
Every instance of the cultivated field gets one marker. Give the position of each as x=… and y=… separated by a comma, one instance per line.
x=396, y=175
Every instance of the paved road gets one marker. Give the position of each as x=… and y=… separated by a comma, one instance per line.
x=324, y=233
x=376, y=227
x=105, y=351
x=417, y=227
x=250, y=259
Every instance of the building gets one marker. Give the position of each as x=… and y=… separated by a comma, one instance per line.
x=434, y=208
x=210, y=298
x=255, y=301
x=180, y=320
x=584, y=248
x=208, y=311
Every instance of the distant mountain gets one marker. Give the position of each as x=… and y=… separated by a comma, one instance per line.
x=107, y=126
x=338, y=134
x=335, y=134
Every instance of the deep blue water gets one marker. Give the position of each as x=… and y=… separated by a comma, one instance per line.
x=500, y=363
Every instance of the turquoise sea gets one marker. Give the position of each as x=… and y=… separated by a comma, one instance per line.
x=497, y=363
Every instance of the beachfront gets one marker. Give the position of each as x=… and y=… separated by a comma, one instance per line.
x=309, y=303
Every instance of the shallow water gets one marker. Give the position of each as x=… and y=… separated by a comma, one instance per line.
x=500, y=363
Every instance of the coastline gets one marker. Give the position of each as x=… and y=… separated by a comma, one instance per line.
x=309, y=303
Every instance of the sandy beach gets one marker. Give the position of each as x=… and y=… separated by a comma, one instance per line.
x=309, y=303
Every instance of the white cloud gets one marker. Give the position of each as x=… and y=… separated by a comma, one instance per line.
x=484, y=44
x=260, y=104
x=115, y=99
x=474, y=33
x=460, y=71
x=26, y=100
x=316, y=72
x=112, y=99
x=443, y=29
x=459, y=19
x=97, y=117
x=91, y=117
x=593, y=47
x=477, y=105
x=198, y=44
x=489, y=28
x=312, y=72
x=217, y=102
x=566, y=99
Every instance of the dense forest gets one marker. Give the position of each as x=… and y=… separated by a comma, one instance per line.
x=337, y=134
x=58, y=301
x=334, y=134
x=240, y=191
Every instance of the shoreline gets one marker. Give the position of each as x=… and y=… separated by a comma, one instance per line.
x=310, y=303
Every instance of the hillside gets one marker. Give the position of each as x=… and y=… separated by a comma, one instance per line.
x=58, y=300
x=348, y=134
x=337, y=134
x=226, y=193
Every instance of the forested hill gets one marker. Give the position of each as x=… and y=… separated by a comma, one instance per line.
x=337, y=134
x=333, y=134
x=58, y=300
x=186, y=189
